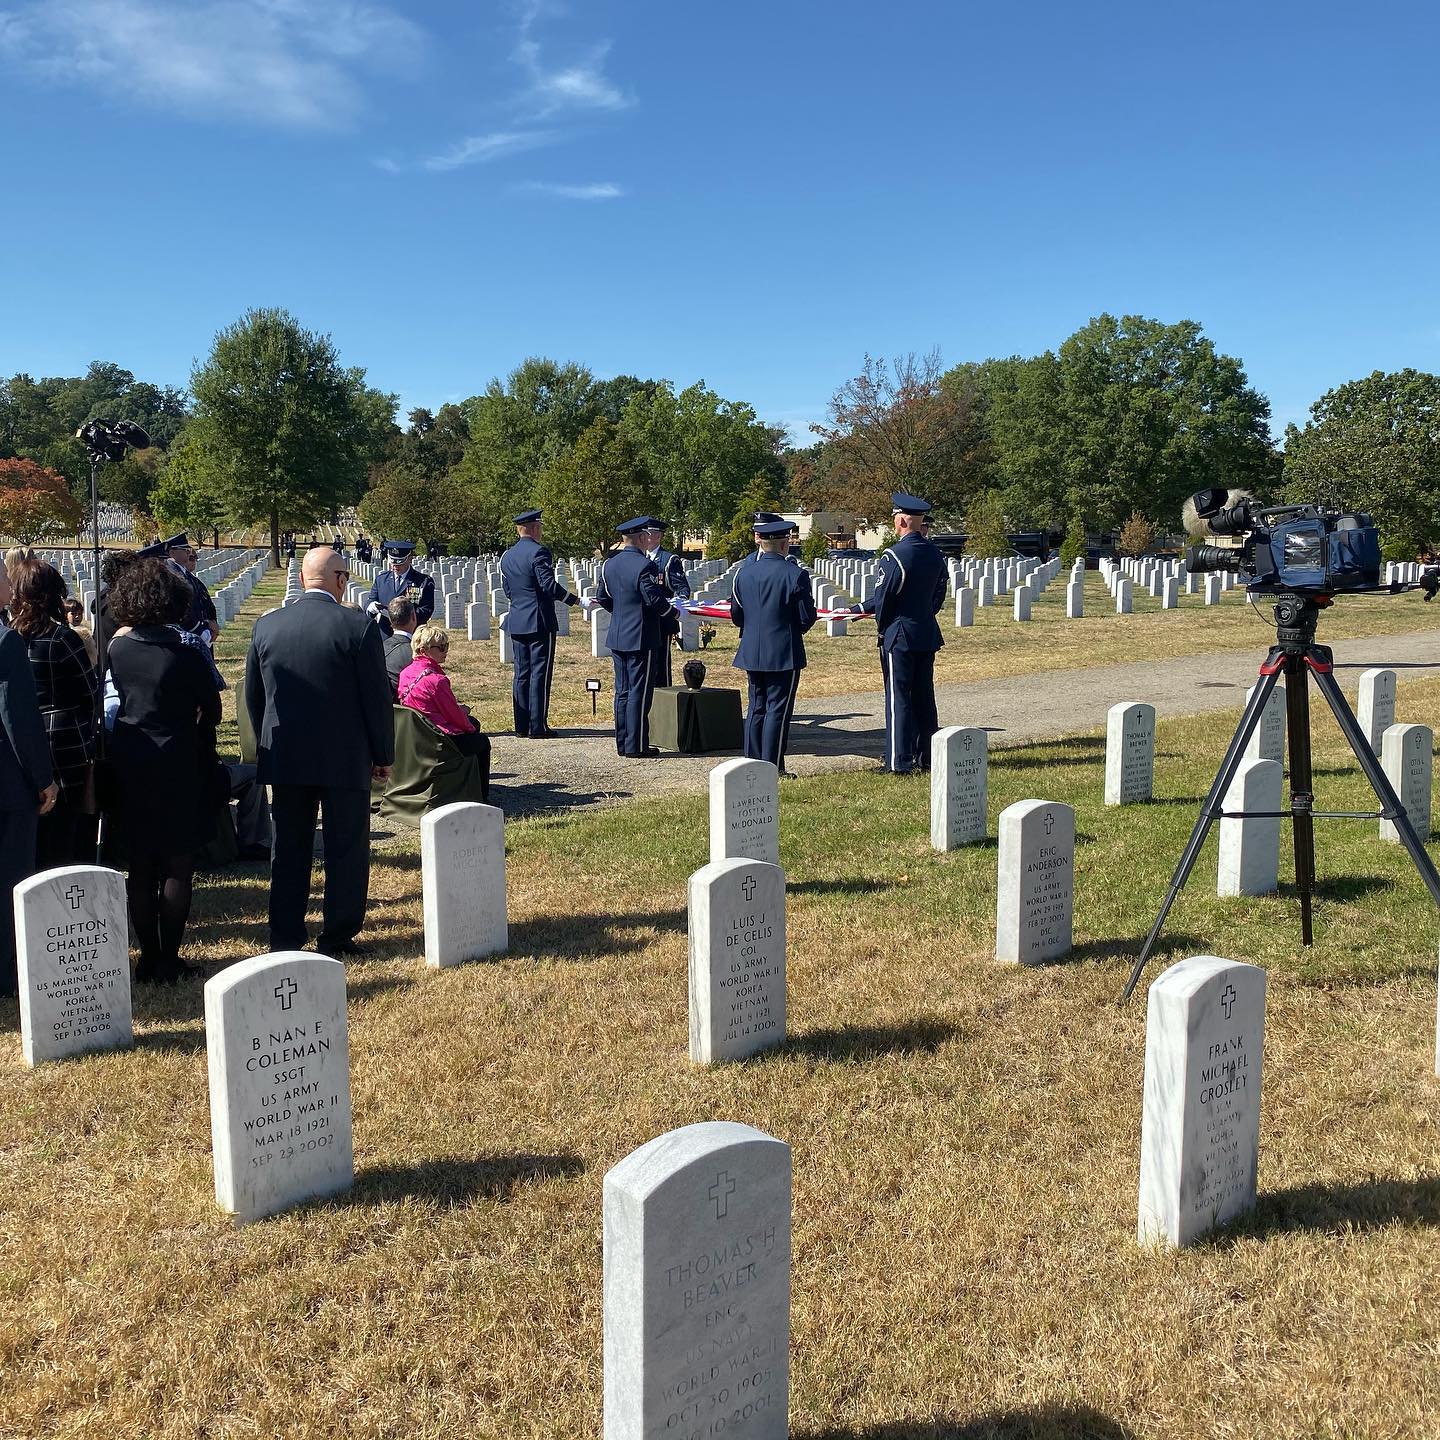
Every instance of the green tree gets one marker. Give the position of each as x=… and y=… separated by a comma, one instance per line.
x=738, y=539
x=1073, y=546
x=985, y=534
x=186, y=494
x=599, y=482
x=1374, y=444
x=285, y=431
x=815, y=547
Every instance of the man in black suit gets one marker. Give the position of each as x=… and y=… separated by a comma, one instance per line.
x=27, y=786
x=319, y=701
x=403, y=625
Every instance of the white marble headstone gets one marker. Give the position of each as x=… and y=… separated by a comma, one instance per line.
x=278, y=1045
x=697, y=1286
x=959, y=760
x=477, y=622
x=1406, y=754
x=1376, y=712
x=1200, y=1130
x=745, y=811
x=737, y=959
x=72, y=942
x=1035, y=896
x=462, y=868
x=599, y=630
x=1267, y=740
x=1250, y=849
x=964, y=607
x=1129, y=753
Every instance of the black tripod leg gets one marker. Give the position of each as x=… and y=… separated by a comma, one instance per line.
x=1379, y=781
x=1302, y=799
x=1214, y=802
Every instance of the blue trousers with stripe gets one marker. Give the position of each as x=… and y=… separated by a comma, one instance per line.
x=910, y=716
x=530, y=694
x=634, y=689
x=767, y=721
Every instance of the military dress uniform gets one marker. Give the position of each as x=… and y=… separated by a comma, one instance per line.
x=672, y=577
x=527, y=575
x=414, y=584
x=772, y=603
x=630, y=589
x=911, y=591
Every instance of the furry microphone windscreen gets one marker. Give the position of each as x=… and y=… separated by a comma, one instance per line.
x=1198, y=528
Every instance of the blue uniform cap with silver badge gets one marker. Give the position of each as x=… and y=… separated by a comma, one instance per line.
x=401, y=549
x=769, y=528
x=640, y=522
x=909, y=505
x=765, y=517
x=526, y=516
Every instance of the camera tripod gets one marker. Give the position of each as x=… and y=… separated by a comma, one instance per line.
x=1299, y=659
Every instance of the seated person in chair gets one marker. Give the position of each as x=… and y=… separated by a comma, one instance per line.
x=425, y=688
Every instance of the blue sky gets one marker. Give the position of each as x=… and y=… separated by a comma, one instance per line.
x=750, y=194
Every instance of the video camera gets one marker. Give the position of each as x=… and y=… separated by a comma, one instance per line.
x=1306, y=548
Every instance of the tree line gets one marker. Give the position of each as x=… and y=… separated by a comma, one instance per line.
x=1119, y=424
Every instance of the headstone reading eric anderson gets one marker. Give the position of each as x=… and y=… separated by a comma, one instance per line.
x=1035, y=897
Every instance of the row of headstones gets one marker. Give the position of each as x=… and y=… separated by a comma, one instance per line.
x=1402, y=572
x=1165, y=580
x=229, y=598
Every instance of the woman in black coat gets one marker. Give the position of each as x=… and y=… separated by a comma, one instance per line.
x=166, y=776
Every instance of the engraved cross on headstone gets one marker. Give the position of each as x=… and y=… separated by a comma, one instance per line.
x=1049, y=821
x=966, y=741
x=1227, y=999
x=285, y=992
x=748, y=886
x=720, y=1192
x=75, y=894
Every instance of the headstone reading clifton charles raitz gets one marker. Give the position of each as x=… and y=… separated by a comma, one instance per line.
x=462, y=868
x=1129, y=753
x=745, y=811
x=72, y=944
x=279, y=1055
x=697, y=1286
x=737, y=960
x=1035, y=896
x=959, y=758
x=1200, y=1131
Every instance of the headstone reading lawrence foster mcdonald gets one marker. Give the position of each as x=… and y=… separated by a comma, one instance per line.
x=745, y=811
x=697, y=1286
x=1035, y=896
x=279, y=1054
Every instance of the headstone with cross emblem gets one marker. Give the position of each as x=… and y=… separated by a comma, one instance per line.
x=959, y=760
x=462, y=881
x=1376, y=710
x=1250, y=848
x=1200, y=1129
x=745, y=811
x=72, y=944
x=737, y=959
x=697, y=1286
x=279, y=1053
x=1406, y=752
x=1035, y=894
x=1267, y=740
x=1129, y=753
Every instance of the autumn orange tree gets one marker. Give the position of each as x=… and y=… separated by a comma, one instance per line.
x=35, y=503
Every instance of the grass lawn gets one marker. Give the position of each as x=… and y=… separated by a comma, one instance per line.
x=965, y=1137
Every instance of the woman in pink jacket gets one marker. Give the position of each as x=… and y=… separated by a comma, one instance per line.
x=425, y=688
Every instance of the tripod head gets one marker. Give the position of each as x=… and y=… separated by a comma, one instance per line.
x=1296, y=617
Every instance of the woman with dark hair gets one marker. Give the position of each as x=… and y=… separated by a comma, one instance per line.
x=65, y=683
x=167, y=778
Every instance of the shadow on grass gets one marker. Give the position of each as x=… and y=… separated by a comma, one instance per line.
x=1337, y=1209
x=456, y=1180
x=1049, y=1422
x=1341, y=887
x=851, y=1044
x=846, y=885
x=573, y=937
x=1171, y=946
x=171, y=1040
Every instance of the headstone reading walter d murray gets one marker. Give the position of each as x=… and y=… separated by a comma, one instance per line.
x=1035, y=897
x=462, y=870
x=697, y=1287
x=737, y=960
x=72, y=943
x=1129, y=753
x=745, y=811
x=1200, y=1132
x=959, y=757
x=279, y=1082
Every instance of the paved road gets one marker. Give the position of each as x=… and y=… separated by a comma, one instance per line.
x=846, y=732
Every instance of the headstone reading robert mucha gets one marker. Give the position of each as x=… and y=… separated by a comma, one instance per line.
x=1035, y=899
x=279, y=1082
x=959, y=758
x=462, y=882
x=1129, y=753
x=697, y=1286
x=72, y=943
x=737, y=960
x=1200, y=1130
x=745, y=811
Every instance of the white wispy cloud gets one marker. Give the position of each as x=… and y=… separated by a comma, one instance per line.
x=601, y=190
x=293, y=63
x=481, y=149
x=582, y=85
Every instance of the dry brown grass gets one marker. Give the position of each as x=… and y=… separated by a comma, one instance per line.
x=965, y=1139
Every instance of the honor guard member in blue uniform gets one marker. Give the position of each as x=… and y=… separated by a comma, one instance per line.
x=911, y=592
x=527, y=574
x=672, y=577
x=759, y=518
x=631, y=591
x=402, y=578
x=772, y=603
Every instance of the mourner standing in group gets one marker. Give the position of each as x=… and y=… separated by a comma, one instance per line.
x=772, y=603
x=527, y=573
x=910, y=593
x=402, y=578
x=631, y=591
x=677, y=587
